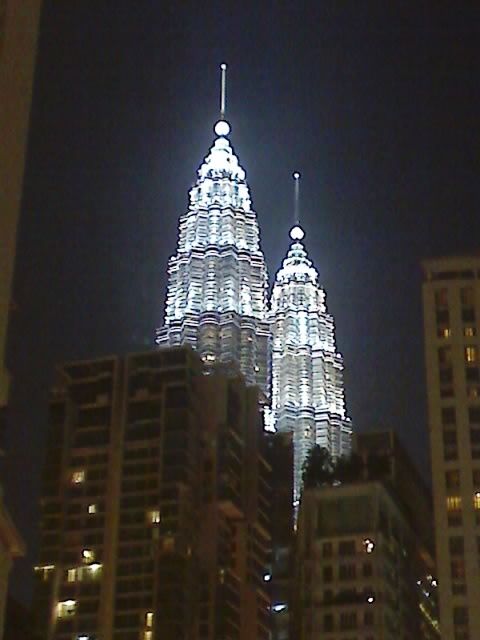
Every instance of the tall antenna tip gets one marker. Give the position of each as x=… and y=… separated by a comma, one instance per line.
x=296, y=175
x=223, y=66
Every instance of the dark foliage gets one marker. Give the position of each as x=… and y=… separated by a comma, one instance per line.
x=320, y=468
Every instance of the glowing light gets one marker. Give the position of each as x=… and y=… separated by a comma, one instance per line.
x=66, y=608
x=279, y=607
x=369, y=545
x=78, y=477
x=149, y=619
x=222, y=128
x=154, y=516
x=296, y=175
x=267, y=577
x=297, y=233
x=370, y=599
x=88, y=555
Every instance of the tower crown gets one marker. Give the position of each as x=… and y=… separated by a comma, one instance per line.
x=217, y=279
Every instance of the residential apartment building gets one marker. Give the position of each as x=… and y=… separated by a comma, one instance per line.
x=155, y=503
x=451, y=302
x=362, y=572
x=279, y=576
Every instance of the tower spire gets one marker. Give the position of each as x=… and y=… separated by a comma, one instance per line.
x=296, y=198
x=223, y=90
x=222, y=128
x=296, y=232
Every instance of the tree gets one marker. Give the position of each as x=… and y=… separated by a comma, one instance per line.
x=348, y=469
x=317, y=468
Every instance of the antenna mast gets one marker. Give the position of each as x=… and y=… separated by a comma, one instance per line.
x=223, y=90
x=296, y=198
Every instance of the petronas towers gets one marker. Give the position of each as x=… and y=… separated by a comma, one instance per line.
x=217, y=302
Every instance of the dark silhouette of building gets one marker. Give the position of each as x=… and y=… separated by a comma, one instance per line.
x=155, y=503
x=281, y=456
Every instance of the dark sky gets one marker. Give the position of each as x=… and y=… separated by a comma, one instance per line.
x=378, y=107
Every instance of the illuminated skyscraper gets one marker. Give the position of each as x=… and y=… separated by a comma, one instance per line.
x=307, y=371
x=451, y=308
x=217, y=280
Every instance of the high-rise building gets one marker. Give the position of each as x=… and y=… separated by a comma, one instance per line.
x=217, y=279
x=18, y=47
x=451, y=302
x=362, y=568
x=155, y=503
x=279, y=577
x=308, y=396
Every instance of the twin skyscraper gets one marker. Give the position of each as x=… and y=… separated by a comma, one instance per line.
x=217, y=301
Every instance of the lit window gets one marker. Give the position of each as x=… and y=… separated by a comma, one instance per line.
x=444, y=332
x=88, y=555
x=71, y=575
x=471, y=354
x=147, y=635
x=476, y=500
x=78, y=477
x=469, y=332
x=154, y=516
x=149, y=619
x=44, y=570
x=454, y=503
x=92, y=508
x=369, y=545
x=66, y=609
x=93, y=569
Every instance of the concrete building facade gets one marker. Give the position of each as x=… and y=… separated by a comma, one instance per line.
x=362, y=568
x=451, y=303
x=155, y=504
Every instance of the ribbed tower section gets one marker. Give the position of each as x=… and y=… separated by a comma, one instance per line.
x=217, y=280
x=307, y=371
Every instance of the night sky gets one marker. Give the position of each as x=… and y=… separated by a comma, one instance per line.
x=377, y=107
